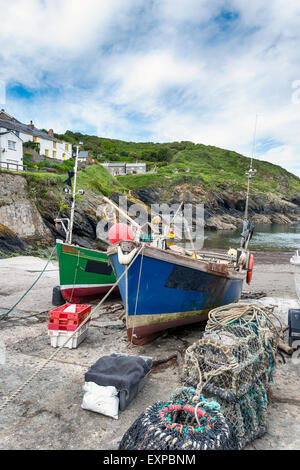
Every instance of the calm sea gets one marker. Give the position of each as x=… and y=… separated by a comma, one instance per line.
x=266, y=238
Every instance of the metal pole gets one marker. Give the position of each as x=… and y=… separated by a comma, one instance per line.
x=251, y=172
x=74, y=194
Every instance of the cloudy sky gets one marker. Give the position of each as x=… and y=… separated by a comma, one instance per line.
x=158, y=70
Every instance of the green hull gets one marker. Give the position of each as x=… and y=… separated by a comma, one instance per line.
x=84, y=274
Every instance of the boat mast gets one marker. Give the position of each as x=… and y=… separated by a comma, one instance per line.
x=70, y=232
x=250, y=173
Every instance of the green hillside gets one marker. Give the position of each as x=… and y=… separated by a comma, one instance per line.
x=186, y=163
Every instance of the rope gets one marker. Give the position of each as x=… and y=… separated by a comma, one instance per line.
x=246, y=315
x=29, y=289
x=21, y=388
x=137, y=294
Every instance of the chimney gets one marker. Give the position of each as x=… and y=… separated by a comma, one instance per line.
x=51, y=133
x=31, y=126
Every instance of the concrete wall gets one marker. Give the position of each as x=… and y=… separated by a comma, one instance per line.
x=36, y=157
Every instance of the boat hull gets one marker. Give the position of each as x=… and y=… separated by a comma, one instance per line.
x=84, y=274
x=164, y=290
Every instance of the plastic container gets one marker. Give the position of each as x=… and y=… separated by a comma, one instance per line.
x=59, y=319
x=295, y=261
x=59, y=337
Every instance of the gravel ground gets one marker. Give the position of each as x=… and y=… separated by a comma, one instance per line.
x=48, y=413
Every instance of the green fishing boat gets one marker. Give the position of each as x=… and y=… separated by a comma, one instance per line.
x=84, y=274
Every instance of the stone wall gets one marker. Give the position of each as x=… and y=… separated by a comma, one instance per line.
x=18, y=212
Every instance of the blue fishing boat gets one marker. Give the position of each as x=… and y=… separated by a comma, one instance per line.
x=162, y=289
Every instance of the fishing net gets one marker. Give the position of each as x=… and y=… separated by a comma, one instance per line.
x=180, y=426
x=225, y=363
x=260, y=320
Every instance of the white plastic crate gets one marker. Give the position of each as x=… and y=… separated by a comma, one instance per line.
x=59, y=337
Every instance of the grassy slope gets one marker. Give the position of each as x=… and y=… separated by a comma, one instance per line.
x=211, y=164
x=216, y=166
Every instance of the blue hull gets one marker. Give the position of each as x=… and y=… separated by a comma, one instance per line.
x=170, y=294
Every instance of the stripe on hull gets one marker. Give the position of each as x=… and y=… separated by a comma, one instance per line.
x=143, y=334
x=81, y=294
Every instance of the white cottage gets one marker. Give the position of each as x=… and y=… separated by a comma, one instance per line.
x=49, y=146
x=11, y=151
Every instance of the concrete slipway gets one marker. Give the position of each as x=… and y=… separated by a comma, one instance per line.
x=48, y=413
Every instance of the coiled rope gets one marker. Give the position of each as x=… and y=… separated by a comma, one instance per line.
x=245, y=315
x=21, y=388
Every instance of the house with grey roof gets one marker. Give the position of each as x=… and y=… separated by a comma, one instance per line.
x=83, y=156
x=48, y=144
x=122, y=168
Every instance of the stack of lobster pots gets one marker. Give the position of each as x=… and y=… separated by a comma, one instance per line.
x=64, y=321
x=233, y=366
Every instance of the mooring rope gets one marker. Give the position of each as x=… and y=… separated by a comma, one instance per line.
x=246, y=314
x=137, y=294
x=29, y=289
x=21, y=388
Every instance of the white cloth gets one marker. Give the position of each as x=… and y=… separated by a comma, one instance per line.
x=103, y=400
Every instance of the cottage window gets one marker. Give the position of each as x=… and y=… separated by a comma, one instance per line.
x=47, y=152
x=54, y=153
x=11, y=145
x=54, y=145
x=67, y=147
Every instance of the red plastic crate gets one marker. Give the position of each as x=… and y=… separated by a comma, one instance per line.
x=65, y=327
x=67, y=321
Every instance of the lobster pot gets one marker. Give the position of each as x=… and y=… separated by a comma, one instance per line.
x=247, y=415
x=174, y=426
x=225, y=363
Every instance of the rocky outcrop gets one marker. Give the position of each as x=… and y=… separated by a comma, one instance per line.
x=9, y=242
x=18, y=211
x=224, y=208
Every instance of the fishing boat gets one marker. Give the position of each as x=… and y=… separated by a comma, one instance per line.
x=163, y=289
x=171, y=287
x=84, y=274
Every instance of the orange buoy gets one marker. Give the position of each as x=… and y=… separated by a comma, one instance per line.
x=250, y=268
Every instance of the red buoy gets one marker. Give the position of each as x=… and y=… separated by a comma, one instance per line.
x=119, y=232
x=250, y=268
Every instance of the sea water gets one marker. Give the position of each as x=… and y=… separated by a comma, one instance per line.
x=275, y=237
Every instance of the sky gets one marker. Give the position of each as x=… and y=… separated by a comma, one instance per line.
x=158, y=70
